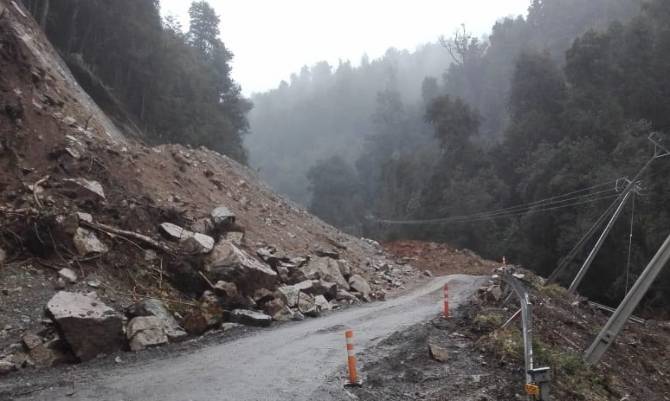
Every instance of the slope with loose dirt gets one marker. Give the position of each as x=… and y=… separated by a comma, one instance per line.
x=65, y=169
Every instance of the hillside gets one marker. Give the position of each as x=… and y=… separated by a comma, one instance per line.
x=85, y=210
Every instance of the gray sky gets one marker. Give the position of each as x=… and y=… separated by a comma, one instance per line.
x=272, y=38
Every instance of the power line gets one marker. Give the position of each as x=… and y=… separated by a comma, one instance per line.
x=507, y=213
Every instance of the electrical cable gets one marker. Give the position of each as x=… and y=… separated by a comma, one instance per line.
x=548, y=204
x=630, y=243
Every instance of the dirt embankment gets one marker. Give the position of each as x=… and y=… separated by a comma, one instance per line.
x=81, y=209
x=474, y=358
x=440, y=259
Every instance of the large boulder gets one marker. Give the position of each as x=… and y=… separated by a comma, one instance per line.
x=326, y=269
x=146, y=331
x=227, y=291
x=227, y=262
x=211, y=309
x=322, y=303
x=88, y=325
x=288, y=294
x=307, y=305
x=157, y=309
x=325, y=288
x=250, y=318
x=360, y=285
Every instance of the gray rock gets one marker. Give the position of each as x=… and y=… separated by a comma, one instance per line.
x=146, y=331
x=68, y=274
x=229, y=326
x=307, y=305
x=87, y=187
x=87, y=217
x=6, y=367
x=203, y=243
x=88, y=243
x=288, y=294
x=3, y=256
x=438, y=353
x=236, y=237
x=325, y=288
x=250, y=318
x=345, y=268
x=273, y=307
x=211, y=309
x=322, y=303
x=157, y=309
x=324, y=269
x=326, y=253
x=203, y=225
x=286, y=314
x=226, y=290
x=89, y=326
x=360, y=285
x=305, y=286
x=343, y=295
x=227, y=262
x=222, y=217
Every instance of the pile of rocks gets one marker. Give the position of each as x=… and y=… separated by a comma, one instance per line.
x=243, y=289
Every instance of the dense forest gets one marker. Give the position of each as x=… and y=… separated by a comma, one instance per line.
x=325, y=111
x=558, y=102
x=162, y=83
x=512, y=144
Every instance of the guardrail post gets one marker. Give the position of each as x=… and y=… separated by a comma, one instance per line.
x=537, y=380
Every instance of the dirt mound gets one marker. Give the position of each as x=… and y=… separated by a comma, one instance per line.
x=76, y=194
x=440, y=258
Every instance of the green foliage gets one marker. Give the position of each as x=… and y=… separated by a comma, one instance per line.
x=176, y=87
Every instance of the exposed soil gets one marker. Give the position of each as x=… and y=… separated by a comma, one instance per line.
x=439, y=258
x=51, y=131
x=401, y=367
x=485, y=361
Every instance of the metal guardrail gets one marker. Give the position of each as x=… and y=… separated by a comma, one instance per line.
x=537, y=379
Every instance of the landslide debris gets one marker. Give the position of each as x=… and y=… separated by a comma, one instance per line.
x=127, y=246
x=439, y=258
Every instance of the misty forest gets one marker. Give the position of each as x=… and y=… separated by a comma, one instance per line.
x=509, y=144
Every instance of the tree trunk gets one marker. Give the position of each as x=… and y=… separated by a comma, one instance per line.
x=44, y=15
x=72, y=32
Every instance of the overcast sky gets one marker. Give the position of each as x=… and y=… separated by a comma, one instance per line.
x=273, y=38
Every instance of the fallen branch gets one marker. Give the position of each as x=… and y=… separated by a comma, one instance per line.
x=123, y=233
x=206, y=279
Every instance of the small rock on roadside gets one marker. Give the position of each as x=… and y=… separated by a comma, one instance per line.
x=250, y=318
x=146, y=331
x=68, y=274
x=438, y=353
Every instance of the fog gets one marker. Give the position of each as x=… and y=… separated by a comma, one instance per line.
x=273, y=39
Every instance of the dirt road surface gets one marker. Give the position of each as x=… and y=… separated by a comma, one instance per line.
x=288, y=363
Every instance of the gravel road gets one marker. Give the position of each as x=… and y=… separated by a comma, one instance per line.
x=291, y=362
